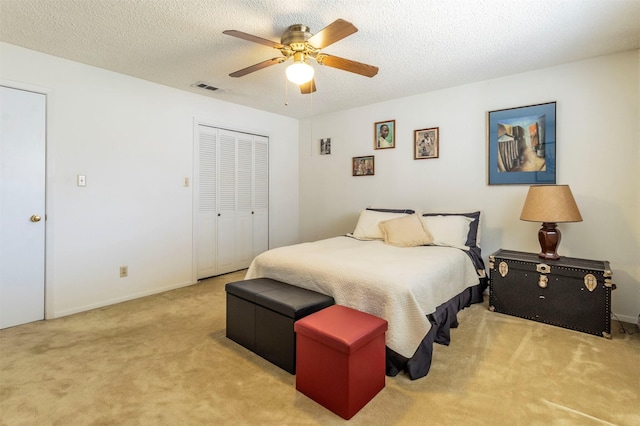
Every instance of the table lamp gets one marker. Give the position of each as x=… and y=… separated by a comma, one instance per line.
x=550, y=204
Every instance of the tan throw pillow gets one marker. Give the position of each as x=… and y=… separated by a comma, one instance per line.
x=405, y=231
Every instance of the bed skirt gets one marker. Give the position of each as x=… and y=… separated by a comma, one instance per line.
x=442, y=321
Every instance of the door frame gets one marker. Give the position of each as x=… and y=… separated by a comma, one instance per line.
x=48, y=199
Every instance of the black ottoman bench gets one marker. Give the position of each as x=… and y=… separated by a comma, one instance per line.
x=261, y=313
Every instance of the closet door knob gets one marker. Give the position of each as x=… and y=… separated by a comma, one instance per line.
x=35, y=218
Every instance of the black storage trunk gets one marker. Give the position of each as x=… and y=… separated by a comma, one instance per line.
x=568, y=292
x=261, y=313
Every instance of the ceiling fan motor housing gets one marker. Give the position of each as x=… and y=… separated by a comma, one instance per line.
x=296, y=37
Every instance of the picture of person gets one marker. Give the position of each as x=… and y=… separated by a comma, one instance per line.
x=362, y=167
x=425, y=146
x=383, y=137
x=385, y=134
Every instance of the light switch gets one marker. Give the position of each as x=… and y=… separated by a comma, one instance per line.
x=82, y=180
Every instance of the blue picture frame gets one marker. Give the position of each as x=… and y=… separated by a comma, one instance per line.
x=522, y=145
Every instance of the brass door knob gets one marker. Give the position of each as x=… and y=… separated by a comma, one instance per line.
x=35, y=218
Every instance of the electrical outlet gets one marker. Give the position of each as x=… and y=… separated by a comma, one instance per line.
x=124, y=271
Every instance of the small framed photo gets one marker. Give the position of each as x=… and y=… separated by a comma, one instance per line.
x=522, y=145
x=363, y=166
x=384, y=134
x=325, y=146
x=426, y=143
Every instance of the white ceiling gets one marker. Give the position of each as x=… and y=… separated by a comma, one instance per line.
x=419, y=45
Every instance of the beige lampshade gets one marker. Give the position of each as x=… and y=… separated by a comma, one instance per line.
x=550, y=203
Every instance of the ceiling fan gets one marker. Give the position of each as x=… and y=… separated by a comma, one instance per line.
x=299, y=44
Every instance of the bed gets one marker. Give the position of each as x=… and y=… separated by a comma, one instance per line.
x=414, y=270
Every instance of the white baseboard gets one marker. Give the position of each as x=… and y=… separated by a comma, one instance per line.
x=102, y=304
x=624, y=318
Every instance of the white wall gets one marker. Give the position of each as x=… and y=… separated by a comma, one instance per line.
x=598, y=155
x=134, y=141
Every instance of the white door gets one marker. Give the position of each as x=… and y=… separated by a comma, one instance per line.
x=22, y=206
x=207, y=201
x=226, y=201
x=260, y=195
x=244, y=205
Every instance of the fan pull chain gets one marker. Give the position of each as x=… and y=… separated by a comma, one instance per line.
x=286, y=92
x=311, y=121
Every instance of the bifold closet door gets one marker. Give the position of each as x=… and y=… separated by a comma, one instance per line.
x=226, y=201
x=244, y=205
x=233, y=210
x=207, y=201
x=235, y=188
x=260, y=195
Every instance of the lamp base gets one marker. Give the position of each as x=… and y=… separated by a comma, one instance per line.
x=549, y=238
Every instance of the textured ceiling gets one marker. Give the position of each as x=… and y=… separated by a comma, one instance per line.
x=419, y=45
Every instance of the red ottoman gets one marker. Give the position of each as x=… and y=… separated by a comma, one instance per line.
x=340, y=358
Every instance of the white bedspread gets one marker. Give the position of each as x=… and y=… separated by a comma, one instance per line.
x=401, y=285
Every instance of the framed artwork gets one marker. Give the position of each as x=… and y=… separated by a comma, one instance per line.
x=426, y=143
x=384, y=134
x=363, y=166
x=325, y=146
x=522, y=145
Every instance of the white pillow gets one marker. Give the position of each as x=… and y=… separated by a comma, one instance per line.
x=451, y=231
x=406, y=231
x=367, y=227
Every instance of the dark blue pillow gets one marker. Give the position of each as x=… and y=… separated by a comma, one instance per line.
x=406, y=211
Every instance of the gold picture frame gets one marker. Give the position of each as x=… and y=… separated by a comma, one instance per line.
x=363, y=166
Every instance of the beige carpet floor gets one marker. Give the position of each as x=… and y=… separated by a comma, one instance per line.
x=165, y=360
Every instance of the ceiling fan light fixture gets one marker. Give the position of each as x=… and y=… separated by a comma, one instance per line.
x=300, y=72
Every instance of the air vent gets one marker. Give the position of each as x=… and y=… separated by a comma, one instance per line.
x=205, y=86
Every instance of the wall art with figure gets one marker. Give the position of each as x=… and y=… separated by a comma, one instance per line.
x=325, y=146
x=426, y=143
x=363, y=166
x=384, y=134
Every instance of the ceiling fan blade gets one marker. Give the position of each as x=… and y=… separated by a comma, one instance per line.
x=308, y=88
x=333, y=32
x=347, y=65
x=253, y=38
x=257, y=67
